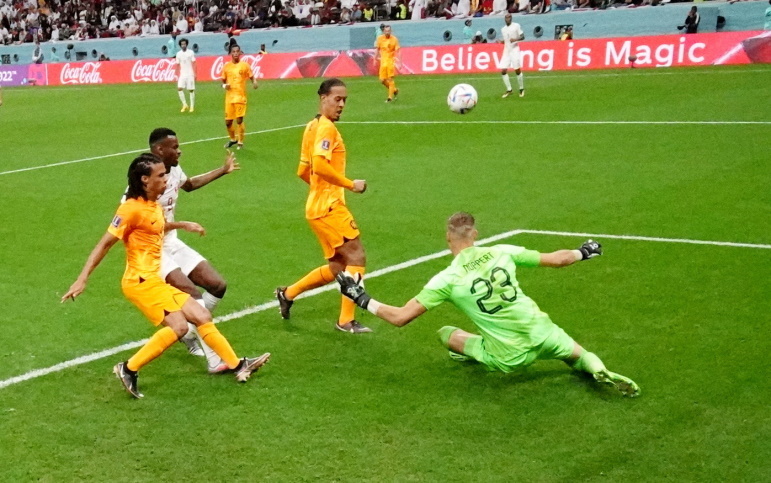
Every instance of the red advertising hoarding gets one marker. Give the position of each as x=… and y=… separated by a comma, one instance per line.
x=654, y=51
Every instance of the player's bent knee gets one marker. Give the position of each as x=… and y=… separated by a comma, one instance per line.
x=218, y=289
x=445, y=333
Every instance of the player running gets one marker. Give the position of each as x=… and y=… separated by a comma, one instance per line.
x=234, y=76
x=511, y=58
x=181, y=266
x=387, y=47
x=185, y=67
x=139, y=222
x=322, y=166
x=481, y=282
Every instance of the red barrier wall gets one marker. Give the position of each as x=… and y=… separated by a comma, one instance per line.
x=654, y=51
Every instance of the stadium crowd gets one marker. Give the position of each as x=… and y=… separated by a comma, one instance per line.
x=30, y=20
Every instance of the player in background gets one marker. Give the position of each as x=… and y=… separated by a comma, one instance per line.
x=511, y=59
x=482, y=283
x=181, y=266
x=234, y=76
x=387, y=47
x=139, y=222
x=322, y=166
x=185, y=70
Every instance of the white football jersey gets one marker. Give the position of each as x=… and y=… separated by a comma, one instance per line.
x=168, y=200
x=509, y=32
x=185, y=60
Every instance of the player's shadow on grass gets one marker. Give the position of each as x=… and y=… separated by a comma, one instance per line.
x=531, y=377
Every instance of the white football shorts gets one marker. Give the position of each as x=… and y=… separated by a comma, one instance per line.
x=178, y=255
x=511, y=60
x=186, y=82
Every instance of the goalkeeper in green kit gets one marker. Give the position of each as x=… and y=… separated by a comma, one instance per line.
x=481, y=282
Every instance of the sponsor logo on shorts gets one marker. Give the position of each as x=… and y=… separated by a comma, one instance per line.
x=325, y=144
x=116, y=221
x=354, y=225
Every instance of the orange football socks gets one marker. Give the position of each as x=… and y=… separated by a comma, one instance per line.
x=159, y=342
x=219, y=344
x=315, y=278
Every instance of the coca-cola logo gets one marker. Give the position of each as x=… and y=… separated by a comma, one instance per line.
x=160, y=70
x=252, y=60
x=87, y=73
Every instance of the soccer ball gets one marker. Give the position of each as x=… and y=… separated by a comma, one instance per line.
x=462, y=98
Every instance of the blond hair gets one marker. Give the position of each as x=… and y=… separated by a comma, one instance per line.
x=461, y=225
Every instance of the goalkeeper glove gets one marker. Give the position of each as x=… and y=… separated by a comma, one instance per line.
x=590, y=249
x=351, y=288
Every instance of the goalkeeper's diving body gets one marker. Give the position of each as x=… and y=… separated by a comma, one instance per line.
x=481, y=282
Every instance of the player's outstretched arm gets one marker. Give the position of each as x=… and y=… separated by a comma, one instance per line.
x=202, y=180
x=94, y=259
x=190, y=226
x=398, y=316
x=563, y=258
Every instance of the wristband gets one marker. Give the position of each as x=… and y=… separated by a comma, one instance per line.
x=373, y=306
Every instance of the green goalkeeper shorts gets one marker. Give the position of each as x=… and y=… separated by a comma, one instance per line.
x=558, y=345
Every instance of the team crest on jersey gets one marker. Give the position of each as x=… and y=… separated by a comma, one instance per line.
x=325, y=144
x=116, y=221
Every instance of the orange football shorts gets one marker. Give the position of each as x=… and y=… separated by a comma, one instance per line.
x=154, y=297
x=387, y=70
x=234, y=110
x=334, y=229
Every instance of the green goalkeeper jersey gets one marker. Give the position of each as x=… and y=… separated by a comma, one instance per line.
x=482, y=283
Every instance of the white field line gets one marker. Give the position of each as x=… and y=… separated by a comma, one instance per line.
x=377, y=273
x=649, y=239
x=702, y=123
x=134, y=151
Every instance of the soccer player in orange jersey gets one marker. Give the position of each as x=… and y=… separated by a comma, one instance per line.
x=139, y=222
x=388, y=53
x=234, y=76
x=322, y=166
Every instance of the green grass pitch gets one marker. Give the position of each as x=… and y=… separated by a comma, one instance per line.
x=688, y=322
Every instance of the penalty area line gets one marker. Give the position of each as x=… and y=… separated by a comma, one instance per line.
x=135, y=151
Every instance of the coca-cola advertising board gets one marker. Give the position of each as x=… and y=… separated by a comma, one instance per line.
x=653, y=51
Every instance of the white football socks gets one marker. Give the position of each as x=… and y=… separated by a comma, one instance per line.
x=506, y=81
x=210, y=301
x=520, y=81
x=182, y=97
x=192, y=100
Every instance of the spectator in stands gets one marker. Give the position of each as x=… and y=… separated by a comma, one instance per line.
x=5, y=36
x=315, y=16
x=464, y=9
x=500, y=7
x=171, y=45
x=417, y=7
x=691, y=25
x=37, y=54
x=368, y=14
x=468, y=34
x=478, y=38
x=401, y=13
x=356, y=13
